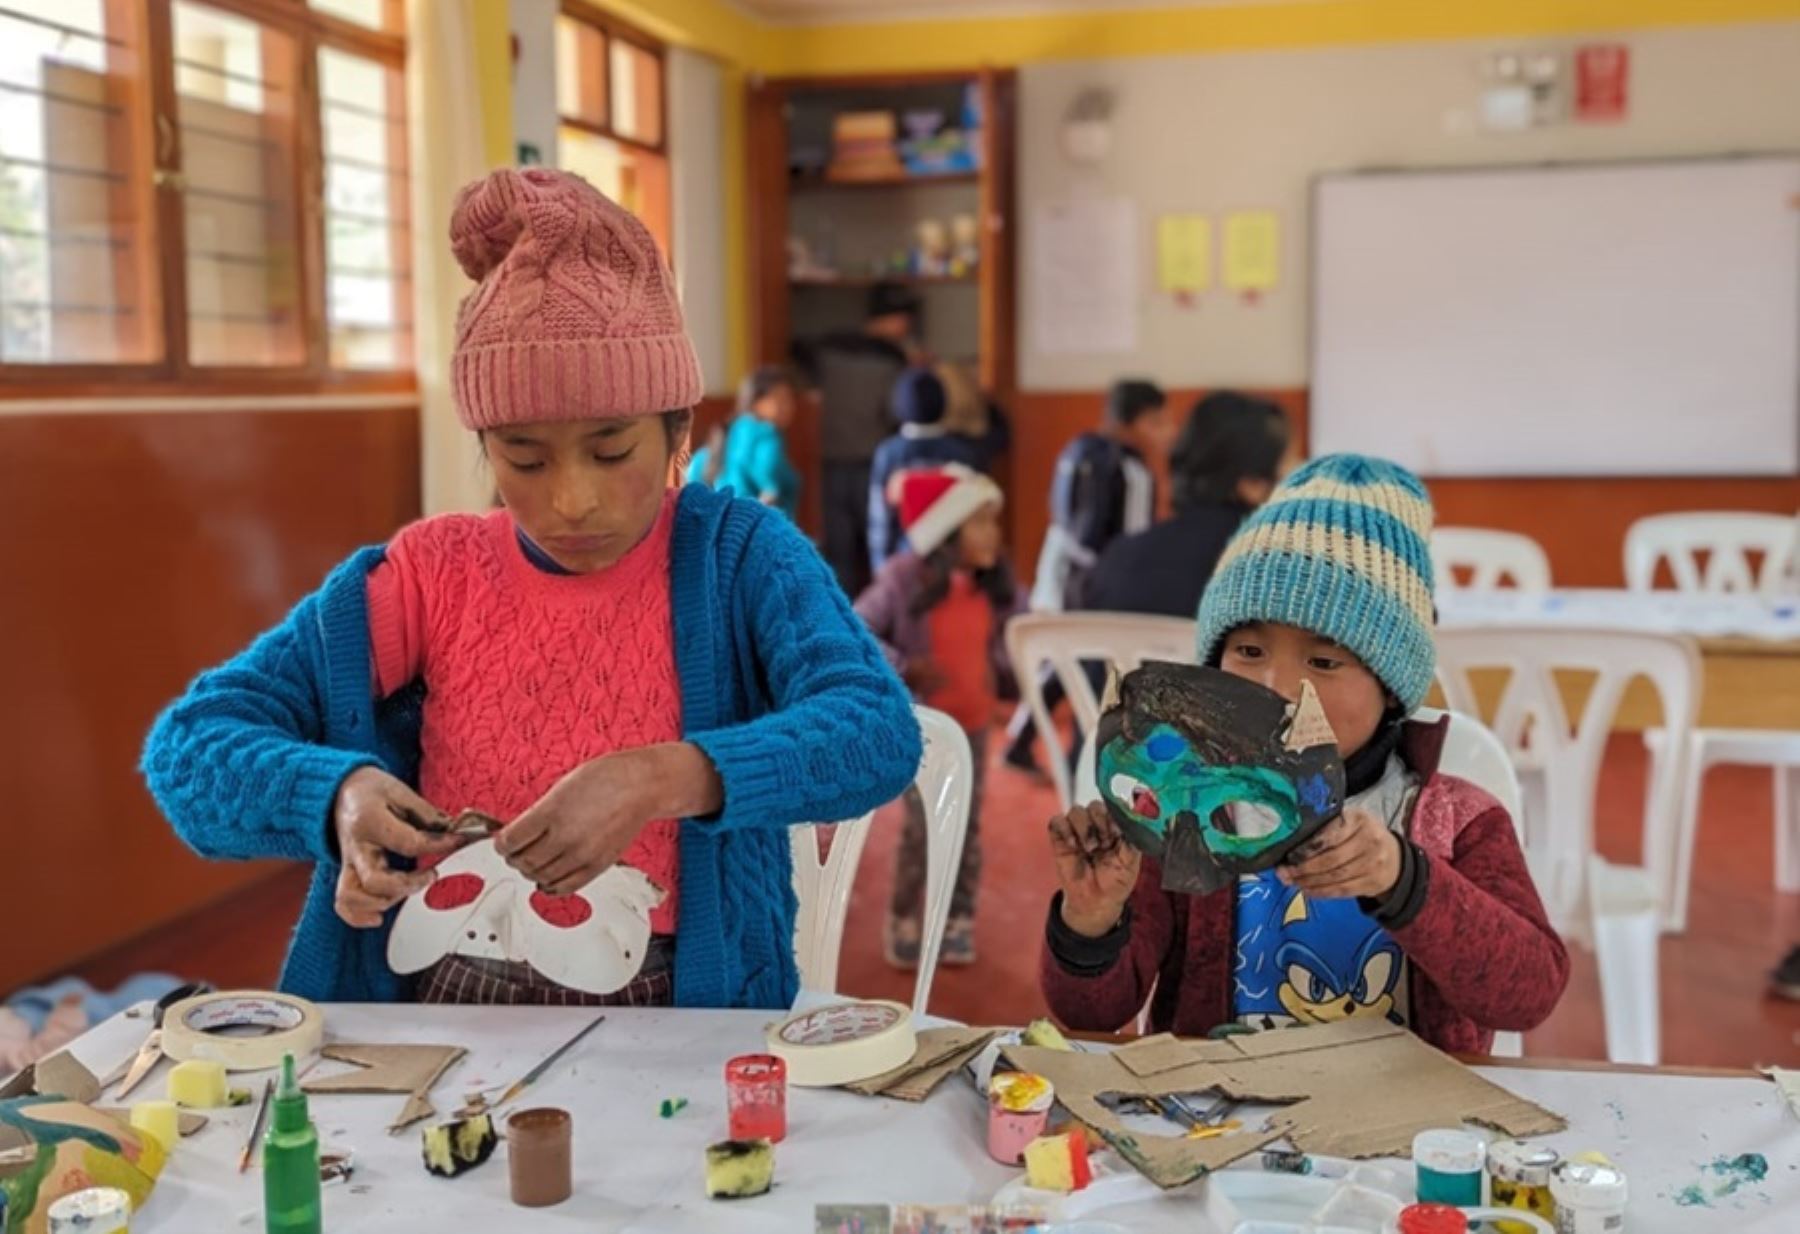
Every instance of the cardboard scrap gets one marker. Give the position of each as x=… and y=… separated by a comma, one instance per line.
x=1357, y=1088
x=187, y=1122
x=941, y=1053
x=1788, y=1081
x=60, y=1075
x=410, y=1069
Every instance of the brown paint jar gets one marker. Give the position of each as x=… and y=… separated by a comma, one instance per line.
x=537, y=1151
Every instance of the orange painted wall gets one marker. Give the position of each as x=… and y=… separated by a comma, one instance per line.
x=1580, y=522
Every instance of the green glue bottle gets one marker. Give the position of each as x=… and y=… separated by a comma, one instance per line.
x=291, y=1201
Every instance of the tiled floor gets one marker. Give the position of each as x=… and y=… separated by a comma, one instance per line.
x=1715, y=1010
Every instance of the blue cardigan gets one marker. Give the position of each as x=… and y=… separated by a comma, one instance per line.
x=781, y=686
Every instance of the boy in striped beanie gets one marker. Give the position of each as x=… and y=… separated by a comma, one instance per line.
x=1414, y=905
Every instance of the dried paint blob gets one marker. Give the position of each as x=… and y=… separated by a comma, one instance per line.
x=1723, y=1177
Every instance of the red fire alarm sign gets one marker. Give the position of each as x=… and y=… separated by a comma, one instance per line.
x=1602, y=77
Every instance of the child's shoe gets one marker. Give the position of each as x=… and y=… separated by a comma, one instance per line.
x=900, y=942
x=959, y=943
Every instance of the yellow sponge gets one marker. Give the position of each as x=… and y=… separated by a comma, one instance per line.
x=738, y=1169
x=198, y=1084
x=1058, y=1162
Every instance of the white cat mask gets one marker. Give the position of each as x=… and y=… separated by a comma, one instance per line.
x=593, y=941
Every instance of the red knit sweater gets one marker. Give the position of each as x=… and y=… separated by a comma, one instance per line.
x=1481, y=954
x=529, y=674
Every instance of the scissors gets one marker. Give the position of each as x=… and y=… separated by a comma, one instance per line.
x=151, y=1052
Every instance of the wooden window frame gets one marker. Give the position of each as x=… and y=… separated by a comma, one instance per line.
x=611, y=28
x=160, y=145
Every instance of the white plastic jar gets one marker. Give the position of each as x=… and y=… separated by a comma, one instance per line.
x=1590, y=1198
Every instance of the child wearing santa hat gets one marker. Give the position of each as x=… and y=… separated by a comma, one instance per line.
x=940, y=608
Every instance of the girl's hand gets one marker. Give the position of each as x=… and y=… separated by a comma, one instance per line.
x=1095, y=866
x=583, y=825
x=1356, y=854
x=367, y=818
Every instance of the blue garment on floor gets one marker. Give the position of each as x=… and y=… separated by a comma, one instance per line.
x=34, y=1005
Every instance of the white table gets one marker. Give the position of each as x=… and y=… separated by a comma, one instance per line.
x=1765, y=619
x=640, y=1173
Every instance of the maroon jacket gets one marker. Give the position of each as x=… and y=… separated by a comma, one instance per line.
x=1481, y=954
x=886, y=607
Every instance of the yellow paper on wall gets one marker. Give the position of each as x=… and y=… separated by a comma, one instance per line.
x=1252, y=257
x=1183, y=253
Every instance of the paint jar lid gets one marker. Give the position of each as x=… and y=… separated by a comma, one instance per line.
x=1582, y=1184
x=1515, y=1161
x=97, y=1210
x=1449, y=1151
x=1431, y=1219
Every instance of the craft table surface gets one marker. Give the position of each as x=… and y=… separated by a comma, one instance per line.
x=1749, y=646
x=641, y=1173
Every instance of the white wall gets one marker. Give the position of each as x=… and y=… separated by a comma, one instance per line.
x=696, y=120
x=1214, y=133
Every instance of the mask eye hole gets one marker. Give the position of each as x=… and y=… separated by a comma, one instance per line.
x=1137, y=796
x=563, y=912
x=453, y=891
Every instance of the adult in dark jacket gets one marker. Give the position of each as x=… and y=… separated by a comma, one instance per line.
x=854, y=372
x=1225, y=463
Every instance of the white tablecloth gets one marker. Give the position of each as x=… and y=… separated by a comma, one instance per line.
x=638, y=1172
x=1664, y=612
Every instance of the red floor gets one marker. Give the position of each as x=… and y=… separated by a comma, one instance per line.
x=1715, y=1010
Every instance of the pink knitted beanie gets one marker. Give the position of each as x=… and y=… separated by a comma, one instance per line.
x=573, y=316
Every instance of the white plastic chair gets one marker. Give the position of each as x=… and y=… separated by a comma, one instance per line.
x=1065, y=640
x=1729, y=541
x=946, y=782
x=1744, y=552
x=1490, y=557
x=1613, y=908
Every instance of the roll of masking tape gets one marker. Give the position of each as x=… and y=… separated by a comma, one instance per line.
x=246, y=1030
x=844, y=1043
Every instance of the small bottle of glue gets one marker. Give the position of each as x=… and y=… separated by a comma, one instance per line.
x=291, y=1200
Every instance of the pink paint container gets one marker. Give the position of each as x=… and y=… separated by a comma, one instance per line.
x=1018, y=1113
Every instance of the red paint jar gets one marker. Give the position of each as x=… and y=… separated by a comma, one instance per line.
x=756, y=1097
x=1433, y=1219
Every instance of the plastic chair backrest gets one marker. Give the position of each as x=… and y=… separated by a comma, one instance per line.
x=1473, y=753
x=1065, y=640
x=1490, y=557
x=945, y=783
x=1564, y=753
x=1729, y=540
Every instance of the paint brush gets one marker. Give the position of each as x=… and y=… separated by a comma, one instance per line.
x=256, y=1127
x=532, y=1076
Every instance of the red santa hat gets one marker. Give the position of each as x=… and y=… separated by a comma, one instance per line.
x=935, y=504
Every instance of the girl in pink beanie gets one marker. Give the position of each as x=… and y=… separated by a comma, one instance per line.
x=645, y=685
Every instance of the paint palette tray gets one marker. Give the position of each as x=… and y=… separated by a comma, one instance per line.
x=1232, y=1201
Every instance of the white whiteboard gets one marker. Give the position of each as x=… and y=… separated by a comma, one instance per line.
x=1633, y=319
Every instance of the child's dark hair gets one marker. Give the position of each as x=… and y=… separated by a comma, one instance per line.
x=1228, y=437
x=1131, y=398
x=676, y=425
x=996, y=582
x=764, y=381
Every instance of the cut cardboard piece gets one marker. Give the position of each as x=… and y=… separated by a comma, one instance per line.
x=940, y=1054
x=1356, y=1088
x=60, y=1075
x=411, y=1069
x=187, y=1122
x=1213, y=775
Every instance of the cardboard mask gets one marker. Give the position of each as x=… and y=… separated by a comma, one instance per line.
x=593, y=941
x=1213, y=775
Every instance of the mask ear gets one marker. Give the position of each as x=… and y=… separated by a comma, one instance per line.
x=1109, y=698
x=1308, y=727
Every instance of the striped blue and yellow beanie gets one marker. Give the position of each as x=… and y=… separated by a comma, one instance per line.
x=1342, y=549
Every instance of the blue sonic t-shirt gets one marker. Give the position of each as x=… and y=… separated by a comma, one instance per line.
x=1303, y=960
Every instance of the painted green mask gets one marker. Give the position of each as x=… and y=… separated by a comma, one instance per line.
x=1213, y=775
